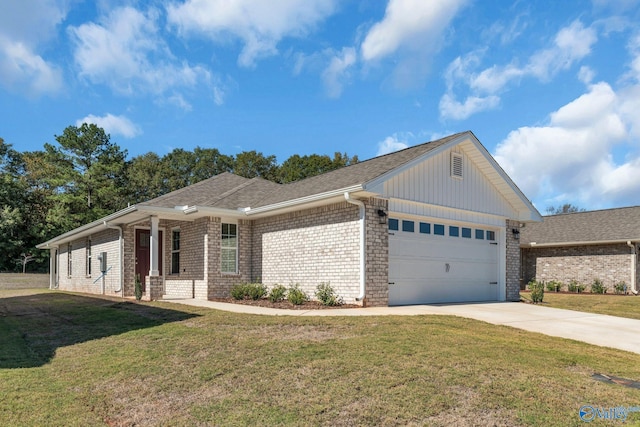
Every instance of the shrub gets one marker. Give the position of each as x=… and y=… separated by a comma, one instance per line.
x=597, y=287
x=252, y=291
x=620, y=288
x=574, y=286
x=296, y=296
x=554, y=286
x=537, y=291
x=239, y=291
x=277, y=293
x=138, y=289
x=327, y=296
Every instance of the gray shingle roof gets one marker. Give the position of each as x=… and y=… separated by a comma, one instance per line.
x=229, y=191
x=225, y=191
x=593, y=226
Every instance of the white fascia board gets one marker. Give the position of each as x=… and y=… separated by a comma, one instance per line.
x=98, y=223
x=589, y=243
x=300, y=201
x=384, y=177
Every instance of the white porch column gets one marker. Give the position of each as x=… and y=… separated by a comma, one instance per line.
x=154, y=245
x=53, y=271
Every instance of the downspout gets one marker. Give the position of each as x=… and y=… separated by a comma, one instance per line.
x=363, y=243
x=634, y=286
x=115, y=227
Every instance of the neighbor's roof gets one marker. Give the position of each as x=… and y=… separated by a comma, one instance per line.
x=609, y=225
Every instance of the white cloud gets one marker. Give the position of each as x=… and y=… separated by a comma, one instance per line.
x=570, y=45
x=453, y=109
x=410, y=24
x=260, y=25
x=126, y=52
x=572, y=158
x=337, y=72
x=117, y=125
x=391, y=144
x=24, y=27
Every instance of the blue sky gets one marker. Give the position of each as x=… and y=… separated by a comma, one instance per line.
x=552, y=89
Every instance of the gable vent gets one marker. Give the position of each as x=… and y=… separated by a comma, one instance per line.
x=456, y=165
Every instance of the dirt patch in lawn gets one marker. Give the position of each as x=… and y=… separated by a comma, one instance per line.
x=308, y=305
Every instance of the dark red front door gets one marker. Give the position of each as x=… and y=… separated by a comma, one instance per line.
x=143, y=254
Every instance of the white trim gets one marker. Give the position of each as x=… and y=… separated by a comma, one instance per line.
x=585, y=243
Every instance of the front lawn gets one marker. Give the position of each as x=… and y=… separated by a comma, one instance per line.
x=67, y=359
x=614, y=305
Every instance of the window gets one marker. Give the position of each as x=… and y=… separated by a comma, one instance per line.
x=466, y=233
x=393, y=224
x=175, y=252
x=454, y=231
x=88, y=257
x=425, y=228
x=456, y=165
x=69, y=259
x=229, y=250
x=480, y=234
x=491, y=235
x=438, y=229
x=407, y=226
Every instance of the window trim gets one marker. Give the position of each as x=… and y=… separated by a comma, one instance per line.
x=174, y=251
x=87, y=266
x=229, y=248
x=69, y=259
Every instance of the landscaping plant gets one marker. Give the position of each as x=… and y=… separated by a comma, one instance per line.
x=296, y=296
x=327, y=296
x=253, y=291
x=277, y=293
x=597, y=287
x=620, y=288
x=537, y=291
x=138, y=289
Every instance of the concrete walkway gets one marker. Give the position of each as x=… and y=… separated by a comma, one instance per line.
x=596, y=329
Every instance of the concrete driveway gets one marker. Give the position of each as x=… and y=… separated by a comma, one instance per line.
x=597, y=329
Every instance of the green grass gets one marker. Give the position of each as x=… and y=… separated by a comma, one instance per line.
x=614, y=305
x=67, y=359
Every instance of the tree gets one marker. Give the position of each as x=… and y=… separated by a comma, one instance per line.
x=89, y=173
x=24, y=260
x=209, y=162
x=145, y=178
x=563, y=209
x=297, y=167
x=251, y=164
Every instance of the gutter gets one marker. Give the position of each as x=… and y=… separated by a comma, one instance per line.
x=120, y=249
x=302, y=200
x=634, y=284
x=363, y=243
x=593, y=242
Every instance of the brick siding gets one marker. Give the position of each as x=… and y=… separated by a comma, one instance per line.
x=377, y=258
x=512, y=263
x=609, y=263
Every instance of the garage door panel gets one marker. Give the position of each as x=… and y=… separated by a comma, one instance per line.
x=427, y=269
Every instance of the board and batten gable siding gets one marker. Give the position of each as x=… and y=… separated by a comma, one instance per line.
x=104, y=241
x=430, y=182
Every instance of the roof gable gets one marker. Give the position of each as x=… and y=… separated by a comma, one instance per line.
x=620, y=224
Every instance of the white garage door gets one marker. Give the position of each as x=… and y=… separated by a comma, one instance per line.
x=432, y=262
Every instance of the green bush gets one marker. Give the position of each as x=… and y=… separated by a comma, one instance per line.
x=252, y=291
x=574, y=286
x=537, y=291
x=138, y=289
x=554, y=286
x=620, y=288
x=277, y=293
x=597, y=287
x=296, y=296
x=327, y=296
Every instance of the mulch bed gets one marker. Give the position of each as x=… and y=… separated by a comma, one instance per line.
x=309, y=305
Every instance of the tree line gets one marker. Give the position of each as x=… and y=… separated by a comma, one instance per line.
x=85, y=176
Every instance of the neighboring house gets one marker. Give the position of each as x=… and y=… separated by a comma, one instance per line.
x=432, y=223
x=584, y=246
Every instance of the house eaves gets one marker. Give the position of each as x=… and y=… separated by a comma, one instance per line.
x=300, y=202
x=583, y=243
